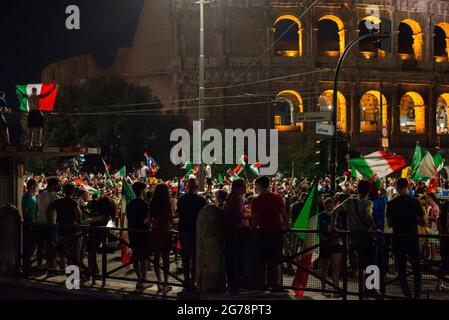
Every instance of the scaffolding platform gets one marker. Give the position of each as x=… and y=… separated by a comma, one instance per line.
x=22, y=152
x=12, y=171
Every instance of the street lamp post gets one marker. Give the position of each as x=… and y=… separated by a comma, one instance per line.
x=333, y=165
x=201, y=94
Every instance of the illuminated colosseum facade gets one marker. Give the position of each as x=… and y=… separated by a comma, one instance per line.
x=406, y=90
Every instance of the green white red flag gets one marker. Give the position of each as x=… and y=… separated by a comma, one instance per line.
x=47, y=96
x=121, y=173
x=379, y=163
x=255, y=168
x=307, y=220
x=86, y=187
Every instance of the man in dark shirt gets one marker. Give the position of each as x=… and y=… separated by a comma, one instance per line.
x=403, y=215
x=137, y=215
x=189, y=206
x=68, y=213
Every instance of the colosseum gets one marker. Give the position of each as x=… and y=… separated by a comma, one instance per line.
x=267, y=61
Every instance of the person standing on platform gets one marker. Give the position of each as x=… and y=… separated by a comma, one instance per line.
x=35, y=116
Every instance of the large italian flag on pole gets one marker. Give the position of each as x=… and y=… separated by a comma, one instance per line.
x=44, y=90
x=426, y=167
x=423, y=165
x=378, y=163
x=308, y=220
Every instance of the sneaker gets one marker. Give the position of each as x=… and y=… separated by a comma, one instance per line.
x=441, y=287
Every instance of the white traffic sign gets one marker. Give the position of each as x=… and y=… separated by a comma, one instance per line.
x=384, y=132
x=314, y=116
x=326, y=129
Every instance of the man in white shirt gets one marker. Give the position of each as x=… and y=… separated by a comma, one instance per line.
x=45, y=234
x=209, y=177
x=143, y=172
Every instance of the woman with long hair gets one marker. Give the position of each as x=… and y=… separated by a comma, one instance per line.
x=235, y=213
x=160, y=217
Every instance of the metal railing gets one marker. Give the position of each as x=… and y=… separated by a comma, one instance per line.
x=351, y=272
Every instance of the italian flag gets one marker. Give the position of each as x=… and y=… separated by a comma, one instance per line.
x=47, y=96
x=187, y=167
x=106, y=168
x=307, y=220
x=127, y=196
x=426, y=167
x=87, y=187
x=121, y=173
x=379, y=163
x=232, y=175
x=243, y=160
x=255, y=168
x=423, y=165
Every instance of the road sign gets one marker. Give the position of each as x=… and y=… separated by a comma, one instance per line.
x=326, y=129
x=384, y=132
x=314, y=116
x=385, y=142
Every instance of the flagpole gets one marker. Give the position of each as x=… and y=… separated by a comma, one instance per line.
x=244, y=171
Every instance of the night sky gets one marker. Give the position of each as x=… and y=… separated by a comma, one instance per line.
x=34, y=35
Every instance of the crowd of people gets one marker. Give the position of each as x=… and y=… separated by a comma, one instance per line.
x=161, y=209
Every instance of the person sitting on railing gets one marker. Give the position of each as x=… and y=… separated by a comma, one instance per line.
x=137, y=215
x=68, y=213
x=403, y=215
x=160, y=218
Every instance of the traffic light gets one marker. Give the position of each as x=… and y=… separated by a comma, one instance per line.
x=323, y=155
x=342, y=155
x=384, y=42
x=385, y=31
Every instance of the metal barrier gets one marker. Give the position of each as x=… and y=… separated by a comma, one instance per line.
x=381, y=250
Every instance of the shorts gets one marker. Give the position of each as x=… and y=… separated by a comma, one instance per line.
x=140, y=244
x=35, y=119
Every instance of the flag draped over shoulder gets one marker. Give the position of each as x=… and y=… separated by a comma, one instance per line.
x=379, y=163
x=47, y=96
x=308, y=220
